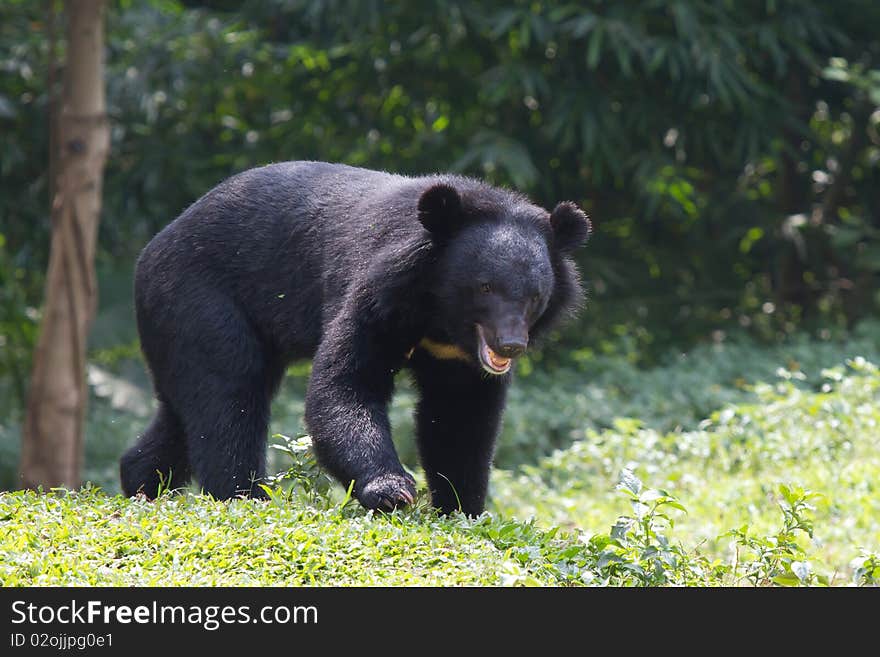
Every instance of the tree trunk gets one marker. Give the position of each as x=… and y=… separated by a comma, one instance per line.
x=52, y=440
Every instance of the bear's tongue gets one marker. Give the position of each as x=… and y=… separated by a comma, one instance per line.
x=498, y=361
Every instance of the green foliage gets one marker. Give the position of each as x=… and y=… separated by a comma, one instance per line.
x=866, y=569
x=551, y=404
x=822, y=442
x=17, y=331
x=303, y=472
x=638, y=547
x=727, y=152
x=779, y=559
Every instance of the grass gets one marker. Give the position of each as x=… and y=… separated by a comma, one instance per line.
x=691, y=473
x=782, y=490
x=89, y=538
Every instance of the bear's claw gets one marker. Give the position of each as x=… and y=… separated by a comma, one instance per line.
x=388, y=492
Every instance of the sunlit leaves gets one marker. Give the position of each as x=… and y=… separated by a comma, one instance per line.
x=792, y=473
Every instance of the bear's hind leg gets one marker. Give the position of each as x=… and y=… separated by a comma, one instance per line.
x=217, y=373
x=226, y=431
x=158, y=459
x=223, y=384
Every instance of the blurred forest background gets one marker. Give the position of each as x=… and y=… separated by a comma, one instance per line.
x=727, y=152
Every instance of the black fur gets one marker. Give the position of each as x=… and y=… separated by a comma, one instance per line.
x=354, y=268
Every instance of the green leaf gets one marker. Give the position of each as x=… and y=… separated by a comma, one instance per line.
x=582, y=25
x=440, y=124
x=621, y=528
x=629, y=483
x=502, y=21
x=594, y=50
x=753, y=235
x=786, y=580
x=786, y=493
x=657, y=58
x=844, y=237
x=675, y=505
x=651, y=495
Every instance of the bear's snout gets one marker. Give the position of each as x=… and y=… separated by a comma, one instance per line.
x=511, y=347
x=508, y=336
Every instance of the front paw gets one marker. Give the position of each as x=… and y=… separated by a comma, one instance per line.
x=388, y=491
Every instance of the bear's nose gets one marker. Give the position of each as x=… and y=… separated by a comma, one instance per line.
x=511, y=347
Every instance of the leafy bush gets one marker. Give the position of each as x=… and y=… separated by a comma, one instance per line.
x=550, y=406
x=726, y=472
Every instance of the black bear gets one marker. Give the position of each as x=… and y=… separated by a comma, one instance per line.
x=368, y=273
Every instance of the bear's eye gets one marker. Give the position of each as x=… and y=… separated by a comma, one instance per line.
x=485, y=288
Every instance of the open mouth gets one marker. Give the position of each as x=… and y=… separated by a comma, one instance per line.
x=491, y=362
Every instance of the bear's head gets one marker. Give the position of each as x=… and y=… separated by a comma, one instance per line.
x=503, y=268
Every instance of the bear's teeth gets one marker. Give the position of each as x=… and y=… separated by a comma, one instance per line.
x=498, y=361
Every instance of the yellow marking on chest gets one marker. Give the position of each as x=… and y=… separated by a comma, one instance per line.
x=441, y=350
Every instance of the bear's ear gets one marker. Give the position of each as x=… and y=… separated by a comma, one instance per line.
x=571, y=227
x=440, y=210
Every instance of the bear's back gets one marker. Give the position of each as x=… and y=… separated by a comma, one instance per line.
x=285, y=239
